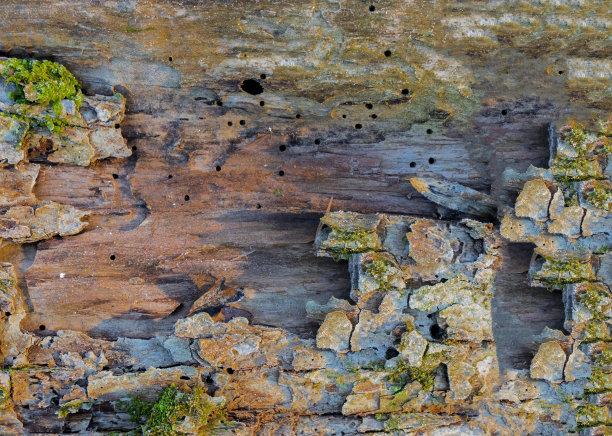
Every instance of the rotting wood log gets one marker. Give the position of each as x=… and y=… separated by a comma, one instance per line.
x=226, y=182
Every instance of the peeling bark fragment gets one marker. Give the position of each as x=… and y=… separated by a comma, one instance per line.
x=76, y=146
x=319, y=311
x=568, y=222
x=533, y=201
x=23, y=224
x=576, y=260
x=412, y=347
x=102, y=110
x=372, y=275
x=548, y=363
x=16, y=184
x=468, y=322
x=455, y=196
x=237, y=344
x=345, y=233
x=105, y=386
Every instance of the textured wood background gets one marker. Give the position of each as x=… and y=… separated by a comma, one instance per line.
x=201, y=200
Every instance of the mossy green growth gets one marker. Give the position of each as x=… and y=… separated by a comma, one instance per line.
x=172, y=407
x=574, y=169
x=590, y=415
x=4, y=396
x=576, y=136
x=41, y=82
x=390, y=421
x=595, y=332
x=600, y=381
x=72, y=407
x=586, y=143
x=557, y=272
x=570, y=194
x=6, y=284
x=593, y=299
x=403, y=374
x=604, y=358
x=374, y=365
x=604, y=128
x=381, y=271
x=600, y=197
x=342, y=243
x=603, y=249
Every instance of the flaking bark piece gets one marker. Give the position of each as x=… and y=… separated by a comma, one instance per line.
x=75, y=145
x=24, y=224
x=16, y=184
x=455, y=196
x=216, y=297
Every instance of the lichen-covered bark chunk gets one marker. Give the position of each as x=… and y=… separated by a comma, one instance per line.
x=335, y=332
x=548, y=363
x=533, y=200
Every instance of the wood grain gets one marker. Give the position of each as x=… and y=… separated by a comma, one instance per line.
x=482, y=82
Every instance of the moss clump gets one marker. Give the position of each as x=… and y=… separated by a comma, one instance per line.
x=590, y=415
x=6, y=284
x=72, y=407
x=603, y=249
x=172, y=408
x=570, y=195
x=574, y=169
x=41, y=82
x=381, y=271
x=374, y=365
x=576, y=136
x=403, y=374
x=604, y=358
x=593, y=299
x=391, y=422
x=600, y=197
x=595, y=332
x=345, y=242
x=600, y=381
x=558, y=272
x=4, y=396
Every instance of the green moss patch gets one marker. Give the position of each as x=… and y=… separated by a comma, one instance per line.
x=42, y=82
x=557, y=272
x=600, y=197
x=73, y=407
x=403, y=374
x=173, y=407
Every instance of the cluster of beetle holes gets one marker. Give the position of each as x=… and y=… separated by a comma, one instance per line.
x=253, y=87
x=283, y=147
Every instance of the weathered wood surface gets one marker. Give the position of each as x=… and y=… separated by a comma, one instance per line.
x=483, y=79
